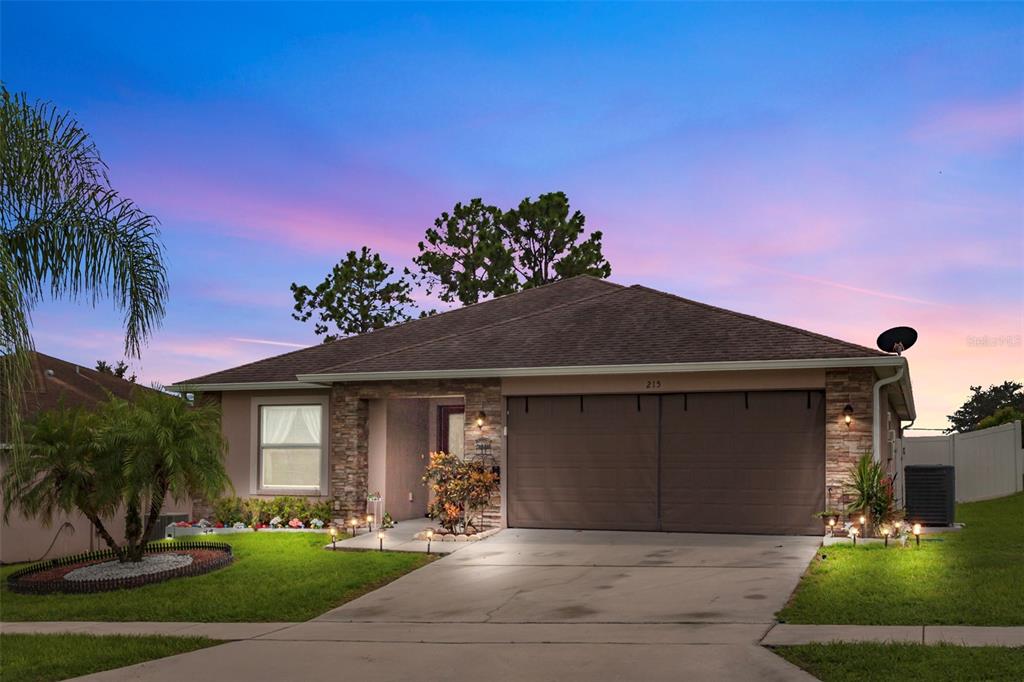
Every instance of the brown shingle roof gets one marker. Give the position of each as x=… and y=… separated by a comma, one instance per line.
x=577, y=322
x=55, y=381
x=634, y=325
x=459, y=321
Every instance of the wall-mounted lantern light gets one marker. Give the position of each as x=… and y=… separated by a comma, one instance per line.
x=848, y=414
x=480, y=419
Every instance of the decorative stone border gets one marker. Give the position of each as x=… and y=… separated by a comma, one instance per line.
x=173, y=531
x=451, y=537
x=21, y=580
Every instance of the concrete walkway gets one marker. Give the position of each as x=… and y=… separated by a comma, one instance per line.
x=397, y=539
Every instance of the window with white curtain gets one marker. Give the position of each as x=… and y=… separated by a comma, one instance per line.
x=291, y=446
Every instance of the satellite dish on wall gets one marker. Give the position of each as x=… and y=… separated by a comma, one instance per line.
x=897, y=339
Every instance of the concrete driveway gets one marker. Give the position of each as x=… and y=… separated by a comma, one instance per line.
x=541, y=605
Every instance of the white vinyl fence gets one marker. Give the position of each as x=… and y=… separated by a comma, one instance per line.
x=989, y=463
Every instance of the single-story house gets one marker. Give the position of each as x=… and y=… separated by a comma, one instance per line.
x=604, y=407
x=55, y=382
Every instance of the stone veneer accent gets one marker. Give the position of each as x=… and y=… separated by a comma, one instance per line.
x=349, y=433
x=844, y=444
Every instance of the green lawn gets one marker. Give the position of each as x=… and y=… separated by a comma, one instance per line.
x=42, y=658
x=906, y=662
x=275, y=577
x=971, y=577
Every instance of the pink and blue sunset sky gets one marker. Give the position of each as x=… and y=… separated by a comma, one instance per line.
x=842, y=168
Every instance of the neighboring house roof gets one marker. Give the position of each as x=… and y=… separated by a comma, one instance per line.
x=56, y=382
x=578, y=322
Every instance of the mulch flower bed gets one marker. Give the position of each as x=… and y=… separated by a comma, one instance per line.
x=48, y=576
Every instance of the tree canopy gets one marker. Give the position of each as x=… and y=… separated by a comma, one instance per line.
x=544, y=241
x=478, y=251
x=360, y=294
x=118, y=369
x=985, y=403
x=463, y=257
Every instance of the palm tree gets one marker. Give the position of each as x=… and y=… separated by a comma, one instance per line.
x=124, y=456
x=64, y=470
x=65, y=232
x=170, y=447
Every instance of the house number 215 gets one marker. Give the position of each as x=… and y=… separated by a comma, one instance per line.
x=654, y=383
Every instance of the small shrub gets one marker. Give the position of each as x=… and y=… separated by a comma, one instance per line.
x=461, y=489
x=228, y=510
x=871, y=489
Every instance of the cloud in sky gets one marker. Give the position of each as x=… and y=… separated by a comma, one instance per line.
x=977, y=125
x=269, y=342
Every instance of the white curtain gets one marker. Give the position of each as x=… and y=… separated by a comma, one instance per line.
x=290, y=424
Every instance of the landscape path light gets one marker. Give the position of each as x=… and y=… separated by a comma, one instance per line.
x=917, y=534
x=853, y=534
x=369, y=522
x=334, y=537
x=832, y=526
x=886, y=532
x=380, y=537
x=353, y=523
x=430, y=536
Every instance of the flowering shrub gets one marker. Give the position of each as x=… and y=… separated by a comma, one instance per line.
x=295, y=523
x=316, y=523
x=461, y=489
x=258, y=511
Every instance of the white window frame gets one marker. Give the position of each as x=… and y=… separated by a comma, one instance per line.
x=256, y=450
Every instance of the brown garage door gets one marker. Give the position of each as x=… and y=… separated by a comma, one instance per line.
x=704, y=462
x=743, y=462
x=583, y=462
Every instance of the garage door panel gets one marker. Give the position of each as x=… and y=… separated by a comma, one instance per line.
x=588, y=464
x=761, y=470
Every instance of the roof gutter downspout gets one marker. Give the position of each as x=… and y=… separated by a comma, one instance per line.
x=876, y=417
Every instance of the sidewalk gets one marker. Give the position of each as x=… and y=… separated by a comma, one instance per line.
x=781, y=634
x=221, y=631
x=784, y=634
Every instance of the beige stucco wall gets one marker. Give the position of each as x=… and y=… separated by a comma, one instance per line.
x=237, y=427
x=666, y=382
x=24, y=539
